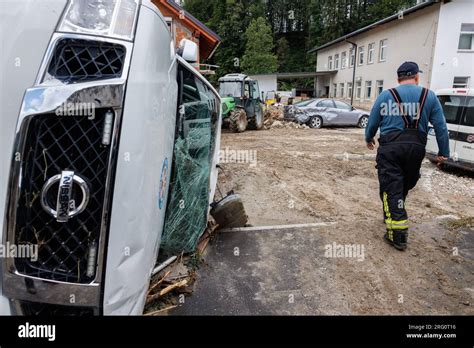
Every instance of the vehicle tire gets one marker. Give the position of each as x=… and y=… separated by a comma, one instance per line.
x=238, y=120
x=225, y=123
x=230, y=212
x=363, y=121
x=256, y=123
x=315, y=122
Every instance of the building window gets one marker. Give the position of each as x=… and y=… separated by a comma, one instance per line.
x=371, y=53
x=169, y=22
x=358, y=89
x=341, y=90
x=334, y=90
x=379, y=87
x=383, y=50
x=336, y=61
x=461, y=82
x=466, y=37
x=361, y=55
x=349, y=90
x=343, y=60
x=368, y=89
x=330, y=63
x=352, y=57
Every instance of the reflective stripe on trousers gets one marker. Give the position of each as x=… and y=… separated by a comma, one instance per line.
x=389, y=222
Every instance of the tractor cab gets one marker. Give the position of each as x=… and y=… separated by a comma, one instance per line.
x=242, y=104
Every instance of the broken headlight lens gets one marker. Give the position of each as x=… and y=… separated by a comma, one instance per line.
x=112, y=18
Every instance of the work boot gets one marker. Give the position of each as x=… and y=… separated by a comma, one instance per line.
x=397, y=239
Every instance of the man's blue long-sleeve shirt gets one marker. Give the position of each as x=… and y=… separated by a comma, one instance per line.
x=409, y=93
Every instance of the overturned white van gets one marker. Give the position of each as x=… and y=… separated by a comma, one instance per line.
x=458, y=108
x=94, y=100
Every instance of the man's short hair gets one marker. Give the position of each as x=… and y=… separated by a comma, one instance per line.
x=405, y=78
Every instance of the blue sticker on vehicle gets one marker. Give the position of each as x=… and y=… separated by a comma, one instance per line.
x=163, y=183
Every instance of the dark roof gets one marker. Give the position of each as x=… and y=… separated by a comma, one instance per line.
x=194, y=19
x=376, y=24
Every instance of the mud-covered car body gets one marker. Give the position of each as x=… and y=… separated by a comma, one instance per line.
x=90, y=188
x=331, y=112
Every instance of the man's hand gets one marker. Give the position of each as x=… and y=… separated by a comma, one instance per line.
x=371, y=144
x=441, y=160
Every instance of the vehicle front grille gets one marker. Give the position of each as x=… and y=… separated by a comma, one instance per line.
x=49, y=310
x=77, y=60
x=54, y=144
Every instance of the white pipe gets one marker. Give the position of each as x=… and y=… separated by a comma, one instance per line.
x=164, y=265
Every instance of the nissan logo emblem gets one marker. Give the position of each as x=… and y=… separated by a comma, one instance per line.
x=65, y=207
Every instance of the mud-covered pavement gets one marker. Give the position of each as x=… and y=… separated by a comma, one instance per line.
x=305, y=176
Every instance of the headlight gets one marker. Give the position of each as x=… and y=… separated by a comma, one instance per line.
x=113, y=18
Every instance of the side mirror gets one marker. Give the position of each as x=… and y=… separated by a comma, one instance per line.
x=188, y=50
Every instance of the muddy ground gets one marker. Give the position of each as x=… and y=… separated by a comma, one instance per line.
x=328, y=175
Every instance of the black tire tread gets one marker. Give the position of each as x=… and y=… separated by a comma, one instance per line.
x=234, y=117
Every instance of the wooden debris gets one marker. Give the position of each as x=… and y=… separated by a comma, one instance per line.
x=158, y=283
x=178, y=279
x=160, y=310
x=272, y=114
x=166, y=290
x=205, y=238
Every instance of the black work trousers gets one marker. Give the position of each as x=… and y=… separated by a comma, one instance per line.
x=399, y=159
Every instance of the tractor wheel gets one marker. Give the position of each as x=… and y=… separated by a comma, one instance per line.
x=238, y=120
x=256, y=122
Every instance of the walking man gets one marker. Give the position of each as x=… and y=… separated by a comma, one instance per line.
x=403, y=113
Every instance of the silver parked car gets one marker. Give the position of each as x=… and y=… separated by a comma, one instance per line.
x=319, y=112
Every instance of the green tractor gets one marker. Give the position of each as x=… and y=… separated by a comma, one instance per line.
x=241, y=103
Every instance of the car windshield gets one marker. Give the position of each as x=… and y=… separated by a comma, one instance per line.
x=305, y=102
x=230, y=89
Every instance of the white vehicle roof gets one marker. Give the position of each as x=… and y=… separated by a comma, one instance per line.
x=455, y=91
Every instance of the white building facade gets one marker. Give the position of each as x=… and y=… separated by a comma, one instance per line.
x=453, y=63
x=438, y=35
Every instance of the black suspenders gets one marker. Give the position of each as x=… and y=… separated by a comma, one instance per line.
x=409, y=122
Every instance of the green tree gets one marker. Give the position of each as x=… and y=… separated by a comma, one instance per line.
x=283, y=50
x=259, y=57
x=201, y=9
